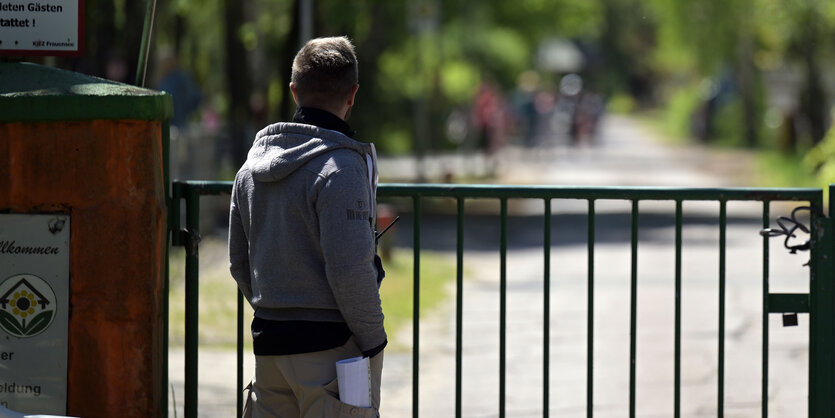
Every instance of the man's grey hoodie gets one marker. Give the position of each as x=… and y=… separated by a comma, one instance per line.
x=301, y=235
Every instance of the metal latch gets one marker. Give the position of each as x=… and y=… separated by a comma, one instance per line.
x=788, y=226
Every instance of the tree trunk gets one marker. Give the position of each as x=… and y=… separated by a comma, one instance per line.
x=237, y=82
x=179, y=33
x=291, y=45
x=814, y=98
x=746, y=80
x=100, y=37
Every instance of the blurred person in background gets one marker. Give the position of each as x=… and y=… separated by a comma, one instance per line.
x=174, y=80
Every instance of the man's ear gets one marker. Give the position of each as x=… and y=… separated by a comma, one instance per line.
x=353, y=94
x=295, y=93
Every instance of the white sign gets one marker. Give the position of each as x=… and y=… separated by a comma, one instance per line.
x=51, y=27
x=34, y=312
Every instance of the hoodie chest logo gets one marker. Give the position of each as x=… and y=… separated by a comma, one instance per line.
x=359, y=212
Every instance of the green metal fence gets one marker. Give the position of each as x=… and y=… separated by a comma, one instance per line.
x=819, y=303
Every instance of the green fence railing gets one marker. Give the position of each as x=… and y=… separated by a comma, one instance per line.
x=819, y=303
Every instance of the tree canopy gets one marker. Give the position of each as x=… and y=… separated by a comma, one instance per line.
x=745, y=66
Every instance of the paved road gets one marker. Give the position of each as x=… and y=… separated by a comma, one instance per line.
x=627, y=154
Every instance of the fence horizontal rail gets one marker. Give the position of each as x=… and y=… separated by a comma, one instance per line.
x=598, y=192
x=553, y=192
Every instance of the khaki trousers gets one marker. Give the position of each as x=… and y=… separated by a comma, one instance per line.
x=305, y=386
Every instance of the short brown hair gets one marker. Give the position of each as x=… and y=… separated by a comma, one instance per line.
x=324, y=71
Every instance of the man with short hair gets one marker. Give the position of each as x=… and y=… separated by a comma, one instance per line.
x=302, y=244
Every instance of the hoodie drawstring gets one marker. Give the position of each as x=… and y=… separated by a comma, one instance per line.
x=371, y=162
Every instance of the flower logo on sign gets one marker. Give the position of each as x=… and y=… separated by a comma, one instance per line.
x=23, y=303
x=27, y=305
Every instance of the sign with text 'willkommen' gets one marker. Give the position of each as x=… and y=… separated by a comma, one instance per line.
x=34, y=312
x=51, y=27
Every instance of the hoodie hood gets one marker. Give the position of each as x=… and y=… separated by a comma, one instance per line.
x=282, y=148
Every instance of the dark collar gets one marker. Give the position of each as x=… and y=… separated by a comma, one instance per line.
x=322, y=119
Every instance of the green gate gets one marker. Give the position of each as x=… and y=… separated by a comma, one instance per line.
x=819, y=303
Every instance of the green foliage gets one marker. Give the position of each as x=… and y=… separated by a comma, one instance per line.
x=438, y=52
x=777, y=169
x=399, y=72
x=503, y=52
x=621, y=103
x=275, y=93
x=249, y=35
x=820, y=160
x=680, y=108
x=459, y=81
x=700, y=34
x=728, y=131
x=537, y=19
x=198, y=46
x=396, y=140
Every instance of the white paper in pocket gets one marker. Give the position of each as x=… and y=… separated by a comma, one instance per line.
x=352, y=376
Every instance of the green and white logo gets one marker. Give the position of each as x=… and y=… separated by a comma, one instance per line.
x=27, y=305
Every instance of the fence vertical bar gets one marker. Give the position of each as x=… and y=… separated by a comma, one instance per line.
x=765, y=321
x=677, y=343
x=546, y=314
x=723, y=222
x=503, y=309
x=240, y=354
x=633, y=310
x=590, y=314
x=459, y=305
x=192, y=292
x=821, y=312
x=416, y=309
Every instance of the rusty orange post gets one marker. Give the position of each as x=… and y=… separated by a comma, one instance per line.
x=96, y=151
